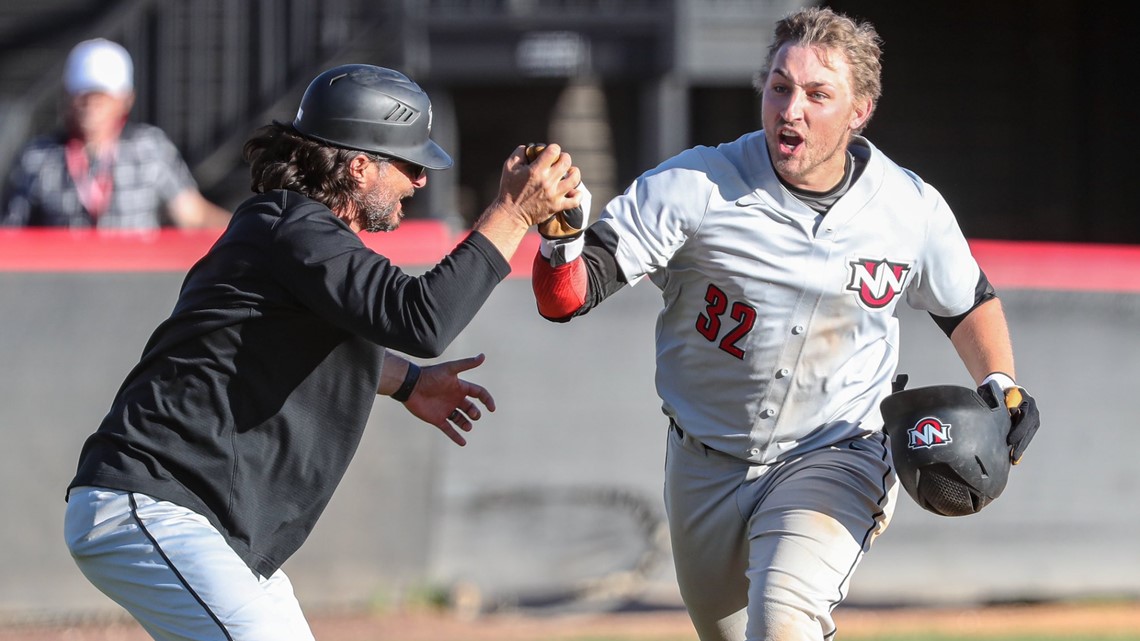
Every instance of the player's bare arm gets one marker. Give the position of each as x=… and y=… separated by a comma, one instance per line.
x=982, y=342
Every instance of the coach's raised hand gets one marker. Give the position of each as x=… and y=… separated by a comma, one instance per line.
x=529, y=193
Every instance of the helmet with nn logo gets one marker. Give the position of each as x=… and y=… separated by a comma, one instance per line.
x=949, y=446
x=371, y=109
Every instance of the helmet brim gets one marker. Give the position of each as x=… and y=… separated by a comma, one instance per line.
x=429, y=154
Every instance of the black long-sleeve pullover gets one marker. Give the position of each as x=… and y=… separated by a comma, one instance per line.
x=250, y=400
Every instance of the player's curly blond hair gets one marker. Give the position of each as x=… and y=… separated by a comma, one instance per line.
x=821, y=27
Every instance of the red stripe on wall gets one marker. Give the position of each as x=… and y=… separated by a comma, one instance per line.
x=1059, y=266
x=418, y=243
x=63, y=250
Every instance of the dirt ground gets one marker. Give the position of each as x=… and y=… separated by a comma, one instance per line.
x=1047, y=621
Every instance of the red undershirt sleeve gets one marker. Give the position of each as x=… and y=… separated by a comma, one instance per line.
x=560, y=291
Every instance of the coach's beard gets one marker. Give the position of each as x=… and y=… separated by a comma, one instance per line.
x=376, y=222
x=378, y=212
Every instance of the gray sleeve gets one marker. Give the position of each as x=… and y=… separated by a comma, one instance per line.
x=174, y=176
x=17, y=206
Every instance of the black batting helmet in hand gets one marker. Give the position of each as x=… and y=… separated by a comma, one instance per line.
x=371, y=109
x=949, y=446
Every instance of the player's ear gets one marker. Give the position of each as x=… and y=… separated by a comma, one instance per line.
x=863, y=107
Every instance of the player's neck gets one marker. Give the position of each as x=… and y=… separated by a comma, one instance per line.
x=841, y=183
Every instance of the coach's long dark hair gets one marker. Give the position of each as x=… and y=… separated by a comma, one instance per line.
x=281, y=158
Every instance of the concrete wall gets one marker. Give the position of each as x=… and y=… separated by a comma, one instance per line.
x=558, y=492
x=1065, y=526
x=66, y=342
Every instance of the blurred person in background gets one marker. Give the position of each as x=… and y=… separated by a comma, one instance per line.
x=99, y=170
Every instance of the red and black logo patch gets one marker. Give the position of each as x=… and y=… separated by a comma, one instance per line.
x=928, y=432
x=876, y=282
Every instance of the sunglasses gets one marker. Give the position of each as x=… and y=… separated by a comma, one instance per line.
x=410, y=169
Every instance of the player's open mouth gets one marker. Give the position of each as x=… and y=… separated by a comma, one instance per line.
x=790, y=142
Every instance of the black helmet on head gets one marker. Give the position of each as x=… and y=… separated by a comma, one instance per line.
x=371, y=109
x=949, y=446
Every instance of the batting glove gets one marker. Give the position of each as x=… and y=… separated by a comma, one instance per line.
x=560, y=250
x=1023, y=413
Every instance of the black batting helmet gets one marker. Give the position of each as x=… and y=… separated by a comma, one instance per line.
x=949, y=446
x=371, y=109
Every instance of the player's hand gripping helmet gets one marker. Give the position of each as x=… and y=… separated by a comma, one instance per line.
x=371, y=109
x=949, y=446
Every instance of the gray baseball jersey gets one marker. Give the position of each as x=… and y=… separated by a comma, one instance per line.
x=778, y=333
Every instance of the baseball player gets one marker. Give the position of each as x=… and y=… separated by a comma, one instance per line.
x=781, y=258
x=224, y=444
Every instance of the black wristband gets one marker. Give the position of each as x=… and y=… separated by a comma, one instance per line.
x=409, y=384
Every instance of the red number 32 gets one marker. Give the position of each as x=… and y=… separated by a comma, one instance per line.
x=708, y=324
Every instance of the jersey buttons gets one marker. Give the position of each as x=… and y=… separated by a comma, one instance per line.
x=767, y=413
x=783, y=373
x=754, y=451
x=798, y=329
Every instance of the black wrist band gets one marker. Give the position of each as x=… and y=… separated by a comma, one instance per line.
x=409, y=384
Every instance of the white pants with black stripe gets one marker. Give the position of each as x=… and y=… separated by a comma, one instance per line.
x=766, y=552
x=174, y=572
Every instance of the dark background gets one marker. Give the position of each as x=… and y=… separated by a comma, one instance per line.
x=1021, y=113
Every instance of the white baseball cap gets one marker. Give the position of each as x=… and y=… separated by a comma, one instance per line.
x=98, y=65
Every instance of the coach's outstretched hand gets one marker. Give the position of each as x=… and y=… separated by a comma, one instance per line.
x=529, y=193
x=446, y=401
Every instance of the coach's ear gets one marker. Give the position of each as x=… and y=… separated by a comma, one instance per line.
x=358, y=168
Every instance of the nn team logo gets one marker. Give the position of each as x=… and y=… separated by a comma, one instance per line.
x=876, y=282
x=928, y=432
